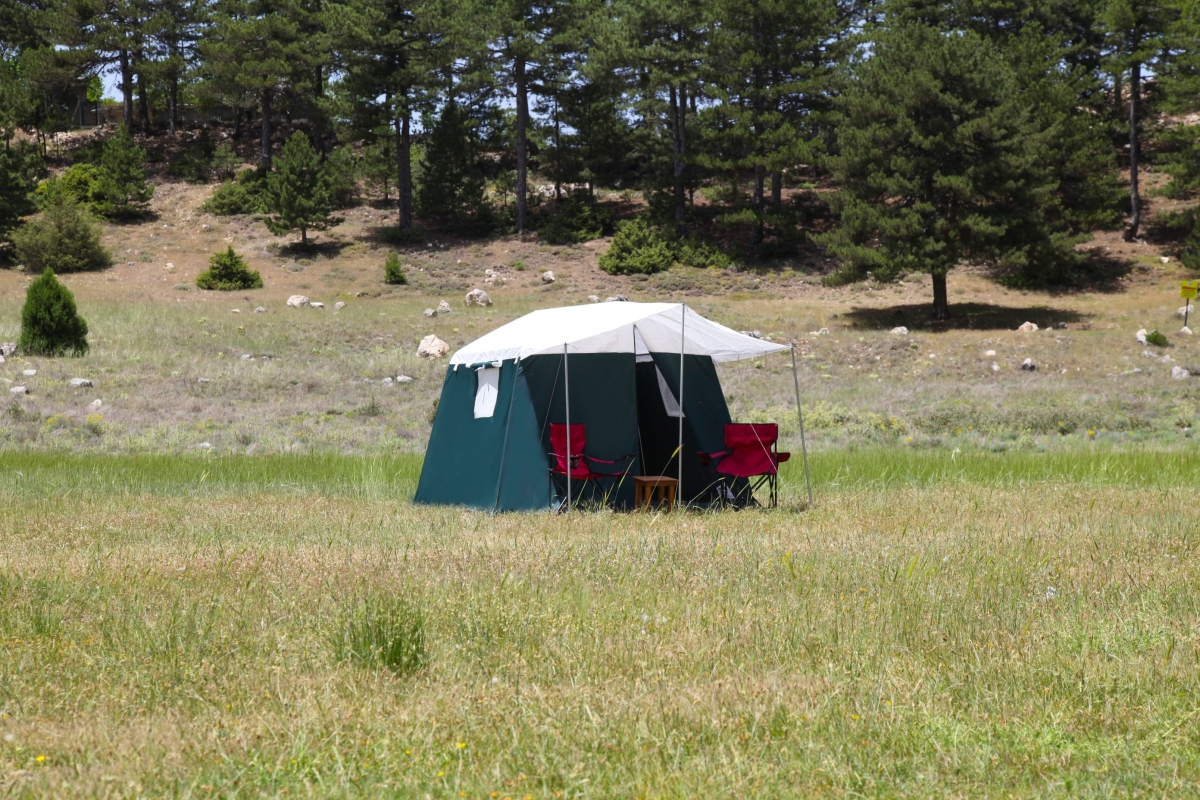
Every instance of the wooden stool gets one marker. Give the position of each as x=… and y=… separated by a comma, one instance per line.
x=644, y=487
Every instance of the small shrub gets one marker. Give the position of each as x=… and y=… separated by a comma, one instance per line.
x=123, y=190
x=519, y=266
x=1156, y=338
x=50, y=323
x=576, y=222
x=65, y=238
x=695, y=252
x=225, y=162
x=247, y=194
x=227, y=272
x=393, y=272
x=80, y=182
x=637, y=249
x=194, y=165
x=382, y=631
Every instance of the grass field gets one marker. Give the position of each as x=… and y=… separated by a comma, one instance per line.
x=978, y=624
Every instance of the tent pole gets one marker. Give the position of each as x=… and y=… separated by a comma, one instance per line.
x=682, y=348
x=800, y=416
x=567, y=397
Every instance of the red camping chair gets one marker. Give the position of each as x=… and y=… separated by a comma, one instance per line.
x=580, y=470
x=751, y=451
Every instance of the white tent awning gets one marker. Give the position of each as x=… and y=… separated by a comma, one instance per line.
x=609, y=328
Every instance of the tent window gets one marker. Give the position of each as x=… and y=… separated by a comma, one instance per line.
x=487, y=388
x=669, y=401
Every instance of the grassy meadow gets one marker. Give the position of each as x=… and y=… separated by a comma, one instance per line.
x=952, y=624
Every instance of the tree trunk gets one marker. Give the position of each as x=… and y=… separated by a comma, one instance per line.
x=143, y=95
x=126, y=90
x=522, y=122
x=266, y=129
x=777, y=189
x=404, y=166
x=941, y=305
x=1135, y=92
x=557, y=154
x=173, y=100
x=237, y=124
x=676, y=118
x=759, y=181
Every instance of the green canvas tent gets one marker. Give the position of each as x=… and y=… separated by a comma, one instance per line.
x=624, y=364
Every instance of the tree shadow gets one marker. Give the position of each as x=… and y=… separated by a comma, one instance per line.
x=963, y=316
x=328, y=248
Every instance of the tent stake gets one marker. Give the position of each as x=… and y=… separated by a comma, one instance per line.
x=567, y=397
x=800, y=416
x=682, y=348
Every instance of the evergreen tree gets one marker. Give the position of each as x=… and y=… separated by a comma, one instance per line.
x=16, y=188
x=50, y=323
x=940, y=162
x=123, y=190
x=453, y=183
x=227, y=272
x=299, y=190
x=63, y=238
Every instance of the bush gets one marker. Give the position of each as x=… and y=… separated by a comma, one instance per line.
x=637, y=249
x=80, y=183
x=245, y=195
x=576, y=222
x=393, y=273
x=228, y=272
x=194, y=165
x=384, y=632
x=695, y=252
x=1156, y=338
x=50, y=323
x=65, y=238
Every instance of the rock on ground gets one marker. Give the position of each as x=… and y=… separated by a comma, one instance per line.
x=1028, y=365
x=386, y=382
x=429, y=312
x=591, y=298
x=7, y=349
x=1185, y=311
x=77, y=383
x=900, y=330
x=548, y=277
x=18, y=390
x=1027, y=327
x=339, y=305
x=260, y=310
x=1141, y=336
x=752, y=334
x=1186, y=331
x=95, y=405
x=316, y=305
x=1179, y=373
x=297, y=300
x=403, y=379
x=617, y=298
x=29, y=373
x=995, y=367
x=444, y=307
x=477, y=297
x=432, y=347
x=822, y=332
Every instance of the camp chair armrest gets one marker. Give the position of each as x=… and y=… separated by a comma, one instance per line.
x=606, y=461
x=782, y=457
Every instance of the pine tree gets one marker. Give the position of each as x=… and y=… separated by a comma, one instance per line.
x=63, y=238
x=940, y=162
x=227, y=272
x=453, y=183
x=50, y=323
x=16, y=189
x=123, y=190
x=299, y=190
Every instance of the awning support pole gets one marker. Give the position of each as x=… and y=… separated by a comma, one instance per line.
x=682, y=349
x=800, y=416
x=567, y=396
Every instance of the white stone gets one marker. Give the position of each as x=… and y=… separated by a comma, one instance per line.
x=752, y=334
x=246, y=356
x=995, y=367
x=95, y=405
x=170, y=265
x=29, y=373
x=429, y=312
x=1149, y=354
x=548, y=277
x=78, y=383
x=235, y=311
x=617, y=298
x=7, y=349
x=444, y=307
x=260, y=310
x=489, y=273
x=591, y=298
x=403, y=379
x=339, y=305
x=822, y=332
x=1185, y=311
x=1028, y=365
x=899, y=330
x=990, y=353
x=1166, y=360
x=205, y=445
x=432, y=347
x=1165, y=260
x=1179, y=373
x=1141, y=336
x=297, y=300
x=1027, y=327
x=316, y=305
x=1186, y=331
x=477, y=297
x=386, y=382
x=18, y=390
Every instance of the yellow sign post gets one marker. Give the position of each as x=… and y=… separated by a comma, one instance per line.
x=1188, y=291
